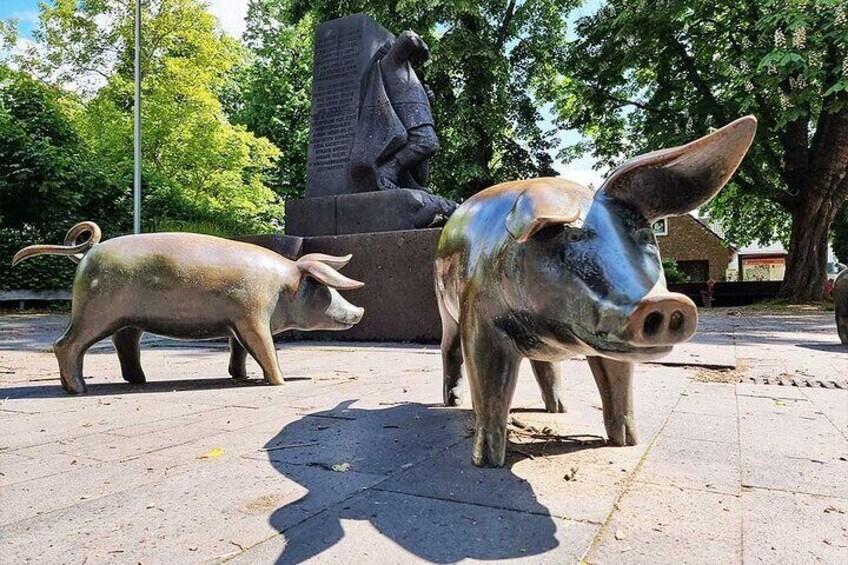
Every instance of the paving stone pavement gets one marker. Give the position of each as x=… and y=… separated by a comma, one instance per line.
x=354, y=460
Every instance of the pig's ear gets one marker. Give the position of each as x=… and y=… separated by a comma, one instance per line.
x=672, y=182
x=538, y=207
x=331, y=260
x=327, y=275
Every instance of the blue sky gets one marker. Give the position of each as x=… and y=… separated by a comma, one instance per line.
x=26, y=12
x=231, y=15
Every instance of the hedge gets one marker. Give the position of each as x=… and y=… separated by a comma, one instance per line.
x=38, y=273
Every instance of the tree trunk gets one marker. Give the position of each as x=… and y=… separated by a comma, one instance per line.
x=806, y=263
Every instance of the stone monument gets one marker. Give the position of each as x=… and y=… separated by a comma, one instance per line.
x=372, y=135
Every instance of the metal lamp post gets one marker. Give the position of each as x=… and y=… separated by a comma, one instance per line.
x=137, y=124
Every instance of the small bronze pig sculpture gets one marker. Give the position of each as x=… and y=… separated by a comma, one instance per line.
x=840, y=298
x=191, y=286
x=544, y=269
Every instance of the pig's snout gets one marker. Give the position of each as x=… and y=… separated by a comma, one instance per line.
x=343, y=313
x=357, y=315
x=662, y=320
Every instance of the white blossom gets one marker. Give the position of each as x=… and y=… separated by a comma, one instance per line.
x=799, y=37
x=841, y=18
x=779, y=39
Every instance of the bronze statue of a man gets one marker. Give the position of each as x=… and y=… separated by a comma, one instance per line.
x=395, y=136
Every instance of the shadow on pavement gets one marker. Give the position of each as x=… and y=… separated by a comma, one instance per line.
x=836, y=347
x=407, y=462
x=54, y=388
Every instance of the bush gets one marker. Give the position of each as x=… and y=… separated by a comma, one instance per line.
x=673, y=274
x=38, y=273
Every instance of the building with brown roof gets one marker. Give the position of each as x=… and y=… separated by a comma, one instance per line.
x=700, y=252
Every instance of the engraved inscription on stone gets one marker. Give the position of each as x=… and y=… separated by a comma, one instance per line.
x=343, y=50
x=336, y=95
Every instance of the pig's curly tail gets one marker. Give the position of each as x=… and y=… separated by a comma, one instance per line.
x=71, y=249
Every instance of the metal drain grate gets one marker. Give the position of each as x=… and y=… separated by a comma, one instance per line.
x=797, y=381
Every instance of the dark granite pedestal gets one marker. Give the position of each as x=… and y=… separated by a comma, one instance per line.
x=364, y=212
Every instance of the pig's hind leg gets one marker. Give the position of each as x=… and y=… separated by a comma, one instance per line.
x=256, y=337
x=71, y=347
x=549, y=377
x=451, y=359
x=615, y=383
x=238, y=358
x=127, y=344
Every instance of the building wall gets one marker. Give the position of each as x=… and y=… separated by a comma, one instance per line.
x=689, y=240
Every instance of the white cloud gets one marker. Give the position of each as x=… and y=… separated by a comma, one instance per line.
x=230, y=14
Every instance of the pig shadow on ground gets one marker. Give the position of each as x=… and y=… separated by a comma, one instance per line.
x=835, y=347
x=162, y=378
x=409, y=470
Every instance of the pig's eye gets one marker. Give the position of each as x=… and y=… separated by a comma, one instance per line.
x=573, y=235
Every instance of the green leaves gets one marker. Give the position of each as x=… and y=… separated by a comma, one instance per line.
x=639, y=76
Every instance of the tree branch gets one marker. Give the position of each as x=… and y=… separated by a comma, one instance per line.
x=503, y=29
x=602, y=92
x=695, y=77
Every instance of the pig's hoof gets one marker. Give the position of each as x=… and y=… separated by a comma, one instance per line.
x=452, y=397
x=135, y=378
x=76, y=387
x=556, y=406
x=623, y=434
x=275, y=380
x=489, y=448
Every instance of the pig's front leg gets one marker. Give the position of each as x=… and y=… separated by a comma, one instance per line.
x=549, y=378
x=451, y=359
x=238, y=357
x=615, y=383
x=256, y=337
x=492, y=376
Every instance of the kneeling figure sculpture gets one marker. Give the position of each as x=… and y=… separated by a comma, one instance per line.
x=191, y=286
x=544, y=269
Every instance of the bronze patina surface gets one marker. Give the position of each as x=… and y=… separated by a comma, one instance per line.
x=544, y=269
x=840, y=298
x=190, y=286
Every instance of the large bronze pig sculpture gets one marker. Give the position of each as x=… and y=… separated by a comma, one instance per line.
x=840, y=298
x=544, y=269
x=191, y=286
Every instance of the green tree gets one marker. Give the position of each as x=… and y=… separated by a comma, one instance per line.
x=48, y=173
x=270, y=93
x=488, y=60
x=197, y=166
x=49, y=179
x=642, y=75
